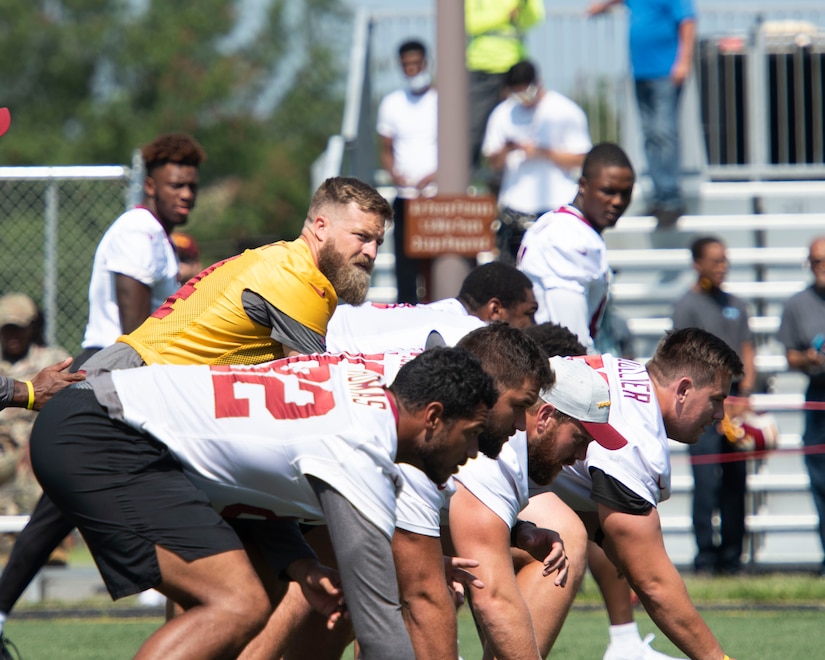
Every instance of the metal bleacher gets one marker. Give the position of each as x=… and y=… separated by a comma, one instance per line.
x=767, y=254
x=742, y=180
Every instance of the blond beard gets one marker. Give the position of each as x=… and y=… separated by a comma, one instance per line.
x=351, y=283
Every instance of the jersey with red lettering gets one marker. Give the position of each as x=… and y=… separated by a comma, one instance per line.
x=643, y=465
x=375, y=327
x=249, y=435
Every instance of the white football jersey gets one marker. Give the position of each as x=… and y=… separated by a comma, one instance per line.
x=501, y=484
x=643, y=465
x=377, y=328
x=421, y=502
x=248, y=435
x=566, y=259
x=135, y=245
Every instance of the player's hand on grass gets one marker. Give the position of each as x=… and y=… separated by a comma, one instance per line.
x=546, y=546
x=321, y=586
x=53, y=379
x=455, y=569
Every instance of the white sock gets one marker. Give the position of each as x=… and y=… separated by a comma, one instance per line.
x=3, y=617
x=625, y=633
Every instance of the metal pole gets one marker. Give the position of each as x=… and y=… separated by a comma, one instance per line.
x=50, y=262
x=757, y=116
x=453, y=134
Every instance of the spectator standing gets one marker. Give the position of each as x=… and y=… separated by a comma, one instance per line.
x=718, y=486
x=24, y=354
x=135, y=268
x=662, y=37
x=564, y=254
x=802, y=331
x=408, y=132
x=495, y=42
x=538, y=139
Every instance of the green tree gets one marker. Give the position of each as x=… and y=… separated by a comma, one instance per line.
x=87, y=81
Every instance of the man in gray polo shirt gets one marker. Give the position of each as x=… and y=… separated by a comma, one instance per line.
x=718, y=486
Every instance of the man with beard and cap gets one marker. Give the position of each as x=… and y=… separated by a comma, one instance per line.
x=615, y=493
x=484, y=512
x=264, y=304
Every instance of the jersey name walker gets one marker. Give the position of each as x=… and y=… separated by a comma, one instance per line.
x=643, y=465
x=248, y=435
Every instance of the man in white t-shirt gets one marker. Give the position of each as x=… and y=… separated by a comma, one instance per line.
x=490, y=292
x=316, y=438
x=676, y=395
x=564, y=254
x=408, y=134
x=538, y=139
x=135, y=267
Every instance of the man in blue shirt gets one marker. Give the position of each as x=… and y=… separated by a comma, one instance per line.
x=662, y=36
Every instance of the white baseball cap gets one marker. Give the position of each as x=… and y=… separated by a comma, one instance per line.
x=582, y=393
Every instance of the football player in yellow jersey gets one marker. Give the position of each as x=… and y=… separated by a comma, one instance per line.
x=266, y=303
x=277, y=299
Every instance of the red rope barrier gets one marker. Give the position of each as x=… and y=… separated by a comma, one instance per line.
x=808, y=405
x=733, y=457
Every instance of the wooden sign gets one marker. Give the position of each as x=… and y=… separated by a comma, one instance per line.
x=449, y=224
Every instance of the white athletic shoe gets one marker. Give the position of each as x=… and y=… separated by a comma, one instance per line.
x=642, y=651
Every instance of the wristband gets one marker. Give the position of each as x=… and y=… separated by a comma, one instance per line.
x=30, y=388
x=514, y=531
x=726, y=657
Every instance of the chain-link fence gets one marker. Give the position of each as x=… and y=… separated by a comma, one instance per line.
x=52, y=221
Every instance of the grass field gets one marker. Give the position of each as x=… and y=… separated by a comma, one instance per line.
x=763, y=617
x=749, y=634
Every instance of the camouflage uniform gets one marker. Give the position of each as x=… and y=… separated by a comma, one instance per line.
x=19, y=490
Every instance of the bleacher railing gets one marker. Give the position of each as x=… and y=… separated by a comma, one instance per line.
x=754, y=108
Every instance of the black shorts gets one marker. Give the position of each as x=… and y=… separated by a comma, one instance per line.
x=125, y=492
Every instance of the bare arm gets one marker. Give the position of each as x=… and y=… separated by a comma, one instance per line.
x=601, y=7
x=46, y=384
x=499, y=607
x=748, y=354
x=809, y=360
x=426, y=602
x=388, y=159
x=134, y=302
x=496, y=160
x=563, y=159
x=635, y=544
x=684, y=54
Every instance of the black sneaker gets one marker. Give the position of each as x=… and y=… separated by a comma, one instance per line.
x=8, y=650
